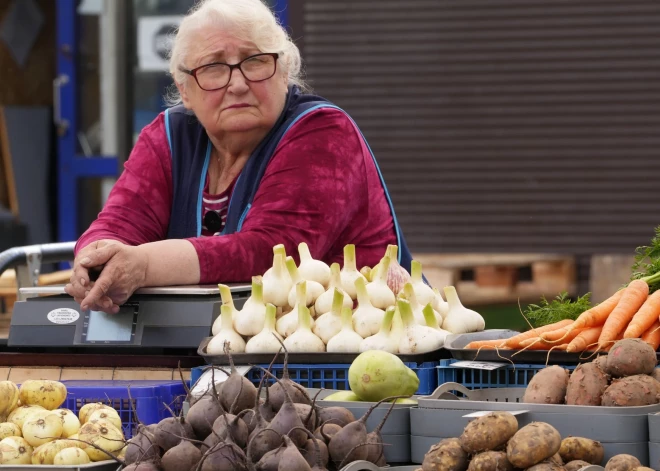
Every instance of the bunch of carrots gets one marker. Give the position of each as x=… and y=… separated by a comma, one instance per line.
x=630, y=313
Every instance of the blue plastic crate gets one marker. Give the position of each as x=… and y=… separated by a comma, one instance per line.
x=505, y=377
x=333, y=376
x=149, y=398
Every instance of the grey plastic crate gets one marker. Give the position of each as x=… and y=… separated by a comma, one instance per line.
x=654, y=428
x=654, y=455
x=100, y=466
x=441, y=415
x=419, y=446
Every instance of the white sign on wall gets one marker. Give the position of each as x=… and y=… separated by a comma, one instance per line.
x=154, y=39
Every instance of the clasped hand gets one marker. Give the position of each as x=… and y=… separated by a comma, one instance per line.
x=123, y=270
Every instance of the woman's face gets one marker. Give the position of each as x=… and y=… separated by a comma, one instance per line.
x=241, y=106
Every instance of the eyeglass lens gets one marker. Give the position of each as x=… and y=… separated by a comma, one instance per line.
x=255, y=69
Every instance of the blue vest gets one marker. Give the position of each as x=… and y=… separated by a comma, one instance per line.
x=190, y=148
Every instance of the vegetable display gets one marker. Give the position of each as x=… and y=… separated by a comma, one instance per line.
x=233, y=426
x=494, y=442
x=37, y=432
x=621, y=378
x=341, y=309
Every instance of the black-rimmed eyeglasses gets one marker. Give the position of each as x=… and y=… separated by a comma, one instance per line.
x=217, y=75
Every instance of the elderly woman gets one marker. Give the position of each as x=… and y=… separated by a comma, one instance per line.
x=245, y=162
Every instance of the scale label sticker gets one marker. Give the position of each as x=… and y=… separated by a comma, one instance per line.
x=63, y=315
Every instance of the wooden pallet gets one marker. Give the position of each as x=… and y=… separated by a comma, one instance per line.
x=495, y=278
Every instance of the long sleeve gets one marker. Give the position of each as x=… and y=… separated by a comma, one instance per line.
x=139, y=205
x=321, y=187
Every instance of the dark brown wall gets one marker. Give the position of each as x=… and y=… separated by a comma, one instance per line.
x=32, y=84
x=501, y=125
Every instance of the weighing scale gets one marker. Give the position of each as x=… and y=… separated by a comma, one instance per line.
x=175, y=317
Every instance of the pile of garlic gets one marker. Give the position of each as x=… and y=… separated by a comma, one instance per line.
x=316, y=308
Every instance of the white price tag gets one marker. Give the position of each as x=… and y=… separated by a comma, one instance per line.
x=478, y=365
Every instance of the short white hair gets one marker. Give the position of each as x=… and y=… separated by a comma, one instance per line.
x=248, y=20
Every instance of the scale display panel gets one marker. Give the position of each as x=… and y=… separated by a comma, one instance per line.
x=116, y=329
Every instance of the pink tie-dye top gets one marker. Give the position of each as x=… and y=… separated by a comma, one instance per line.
x=321, y=187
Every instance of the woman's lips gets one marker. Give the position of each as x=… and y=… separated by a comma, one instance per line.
x=240, y=105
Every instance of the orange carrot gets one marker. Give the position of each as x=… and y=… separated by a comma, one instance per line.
x=566, y=337
x=546, y=346
x=557, y=334
x=485, y=343
x=597, y=315
x=652, y=334
x=631, y=300
x=645, y=317
x=514, y=342
x=584, y=339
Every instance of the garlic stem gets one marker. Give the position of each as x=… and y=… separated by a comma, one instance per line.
x=257, y=289
x=349, y=257
x=269, y=322
x=304, y=318
x=337, y=301
x=293, y=270
x=386, y=326
x=303, y=251
x=226, y=315
x=347, y=318
x=406, y=312
x=429, y=317
x=362, y=295
x=279, y=249
x=225, y=294
x=392, y=252
x=416, y=271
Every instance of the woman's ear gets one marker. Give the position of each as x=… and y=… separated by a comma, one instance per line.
x=184, y=94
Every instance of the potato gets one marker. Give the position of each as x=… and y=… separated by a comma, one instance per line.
x=575, y=465
x=532, y=444
x=585, y=449
x=638, y=390
x=622, y=462
x=488, y=432
x=490, y=461
x=629, y=357
x=556, y=459
x=446, y=456
x=548, y=386
x=586, y=385
x=546, y=466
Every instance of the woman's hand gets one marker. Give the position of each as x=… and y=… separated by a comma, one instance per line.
x=123, y=271
x=80, y=282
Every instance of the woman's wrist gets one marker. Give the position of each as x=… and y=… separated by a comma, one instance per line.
x=169, y=262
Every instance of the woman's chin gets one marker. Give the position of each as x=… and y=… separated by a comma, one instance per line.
x=240, y=124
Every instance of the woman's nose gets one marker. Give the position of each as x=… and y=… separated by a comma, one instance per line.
x=237, y=81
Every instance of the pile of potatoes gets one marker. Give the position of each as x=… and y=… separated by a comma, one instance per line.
x=493, y=442
x=34, y=430
x=626, y=376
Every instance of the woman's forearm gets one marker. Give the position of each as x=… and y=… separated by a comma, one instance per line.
x=171, y=262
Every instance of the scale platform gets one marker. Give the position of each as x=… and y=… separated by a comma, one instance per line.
x=175, y=317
